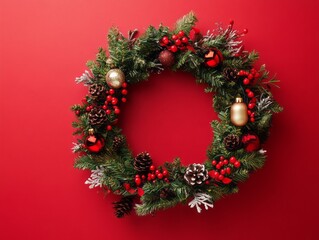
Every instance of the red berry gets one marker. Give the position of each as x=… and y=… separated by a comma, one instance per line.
x=104, y=107
x=165, y=172
x=245, y=31
x=252, y=119
x=206, y=182
x=247, y=90
x=220, y=177
x=108, y=112
x=153, y=176
x=160, y=176
x=152, y=167
x=157, y=172
x=109, y=127
x=88, y=109
x=252, y=114
x=218, y=166
x=111, y=91
x=251, y=105
x=241, y=73
x=109, y=98
x=237, y=164
x=232, y=160
x=225, y=162
x=214, y=162
x=216, y=174
x=77, y=112
x=174, y=37
x=178, y=42
x=165, y=40
x=221, y=158
x=124, y=85
x=228, y=170
x=138, y=181
x=181, y=34
x=251, y=95
x=123, y=99
x=143, y=176
x=253, y=100
x=117, y=111
x=249, y=112
x=124, y=91
x=185, y=40
x=222, y=172
x=257, y=75
x=91, y=107
x=114, y=101
x=250, y=76
x=246, y=81
x=173, y=48
x=127, y=186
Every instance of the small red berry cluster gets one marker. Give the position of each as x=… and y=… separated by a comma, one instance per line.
x=177, y=42
x=249, y=77
x=223, y=168
x=160, y=174
x=251, y=104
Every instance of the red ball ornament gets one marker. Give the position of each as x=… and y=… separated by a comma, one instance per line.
x=166, y=58
x=94, y=143
x=213, y=58
x=251, y=142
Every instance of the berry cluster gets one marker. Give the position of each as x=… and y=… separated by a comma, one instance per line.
x=251, y=104
x=160, y=174
x=177, y=42
x=249, y=77
x=223, y=168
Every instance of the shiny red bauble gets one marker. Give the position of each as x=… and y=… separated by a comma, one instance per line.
x=94, y=143
x=250, y=142
x=213, y=58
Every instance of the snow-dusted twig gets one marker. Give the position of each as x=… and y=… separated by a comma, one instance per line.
x=264, y=102
x=76, y=147
x=95, y=180
x=201, y=198
x=86, y=78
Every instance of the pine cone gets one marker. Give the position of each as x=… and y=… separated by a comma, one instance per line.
x=196, y=174
x=142, y=162
x=123, y=207
x=97, y=116
x=97, y=90
x=166, y=193
x=118, y=142
x=230, y=74
x=232, y=142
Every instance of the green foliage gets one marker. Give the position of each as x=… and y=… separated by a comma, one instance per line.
x=138, y=58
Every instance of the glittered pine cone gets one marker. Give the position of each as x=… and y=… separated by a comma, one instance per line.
x=230, y=74
x=118, y=142
x=97, y=91
x=123, y=207
x=196, y=174
x=97, y=116
x=142, y=162
x=232, y=142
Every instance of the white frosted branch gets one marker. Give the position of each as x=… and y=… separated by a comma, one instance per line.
x=86, y=78
x=95, y=180
x=201, y=199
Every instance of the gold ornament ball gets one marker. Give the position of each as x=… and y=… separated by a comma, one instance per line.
x=115, y=78
x=238, y=113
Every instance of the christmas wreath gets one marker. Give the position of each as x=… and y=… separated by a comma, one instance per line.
x=241, y=97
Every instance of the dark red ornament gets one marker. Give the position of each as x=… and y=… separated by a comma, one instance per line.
x=213, y=58
x=94, y=143
x=166, y=58
x=251, y=142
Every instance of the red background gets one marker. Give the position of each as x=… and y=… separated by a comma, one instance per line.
x=45, y=44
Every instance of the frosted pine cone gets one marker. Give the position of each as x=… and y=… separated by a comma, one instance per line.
x=196, y=174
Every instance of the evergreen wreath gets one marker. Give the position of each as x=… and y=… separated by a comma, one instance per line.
x=241, y=97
